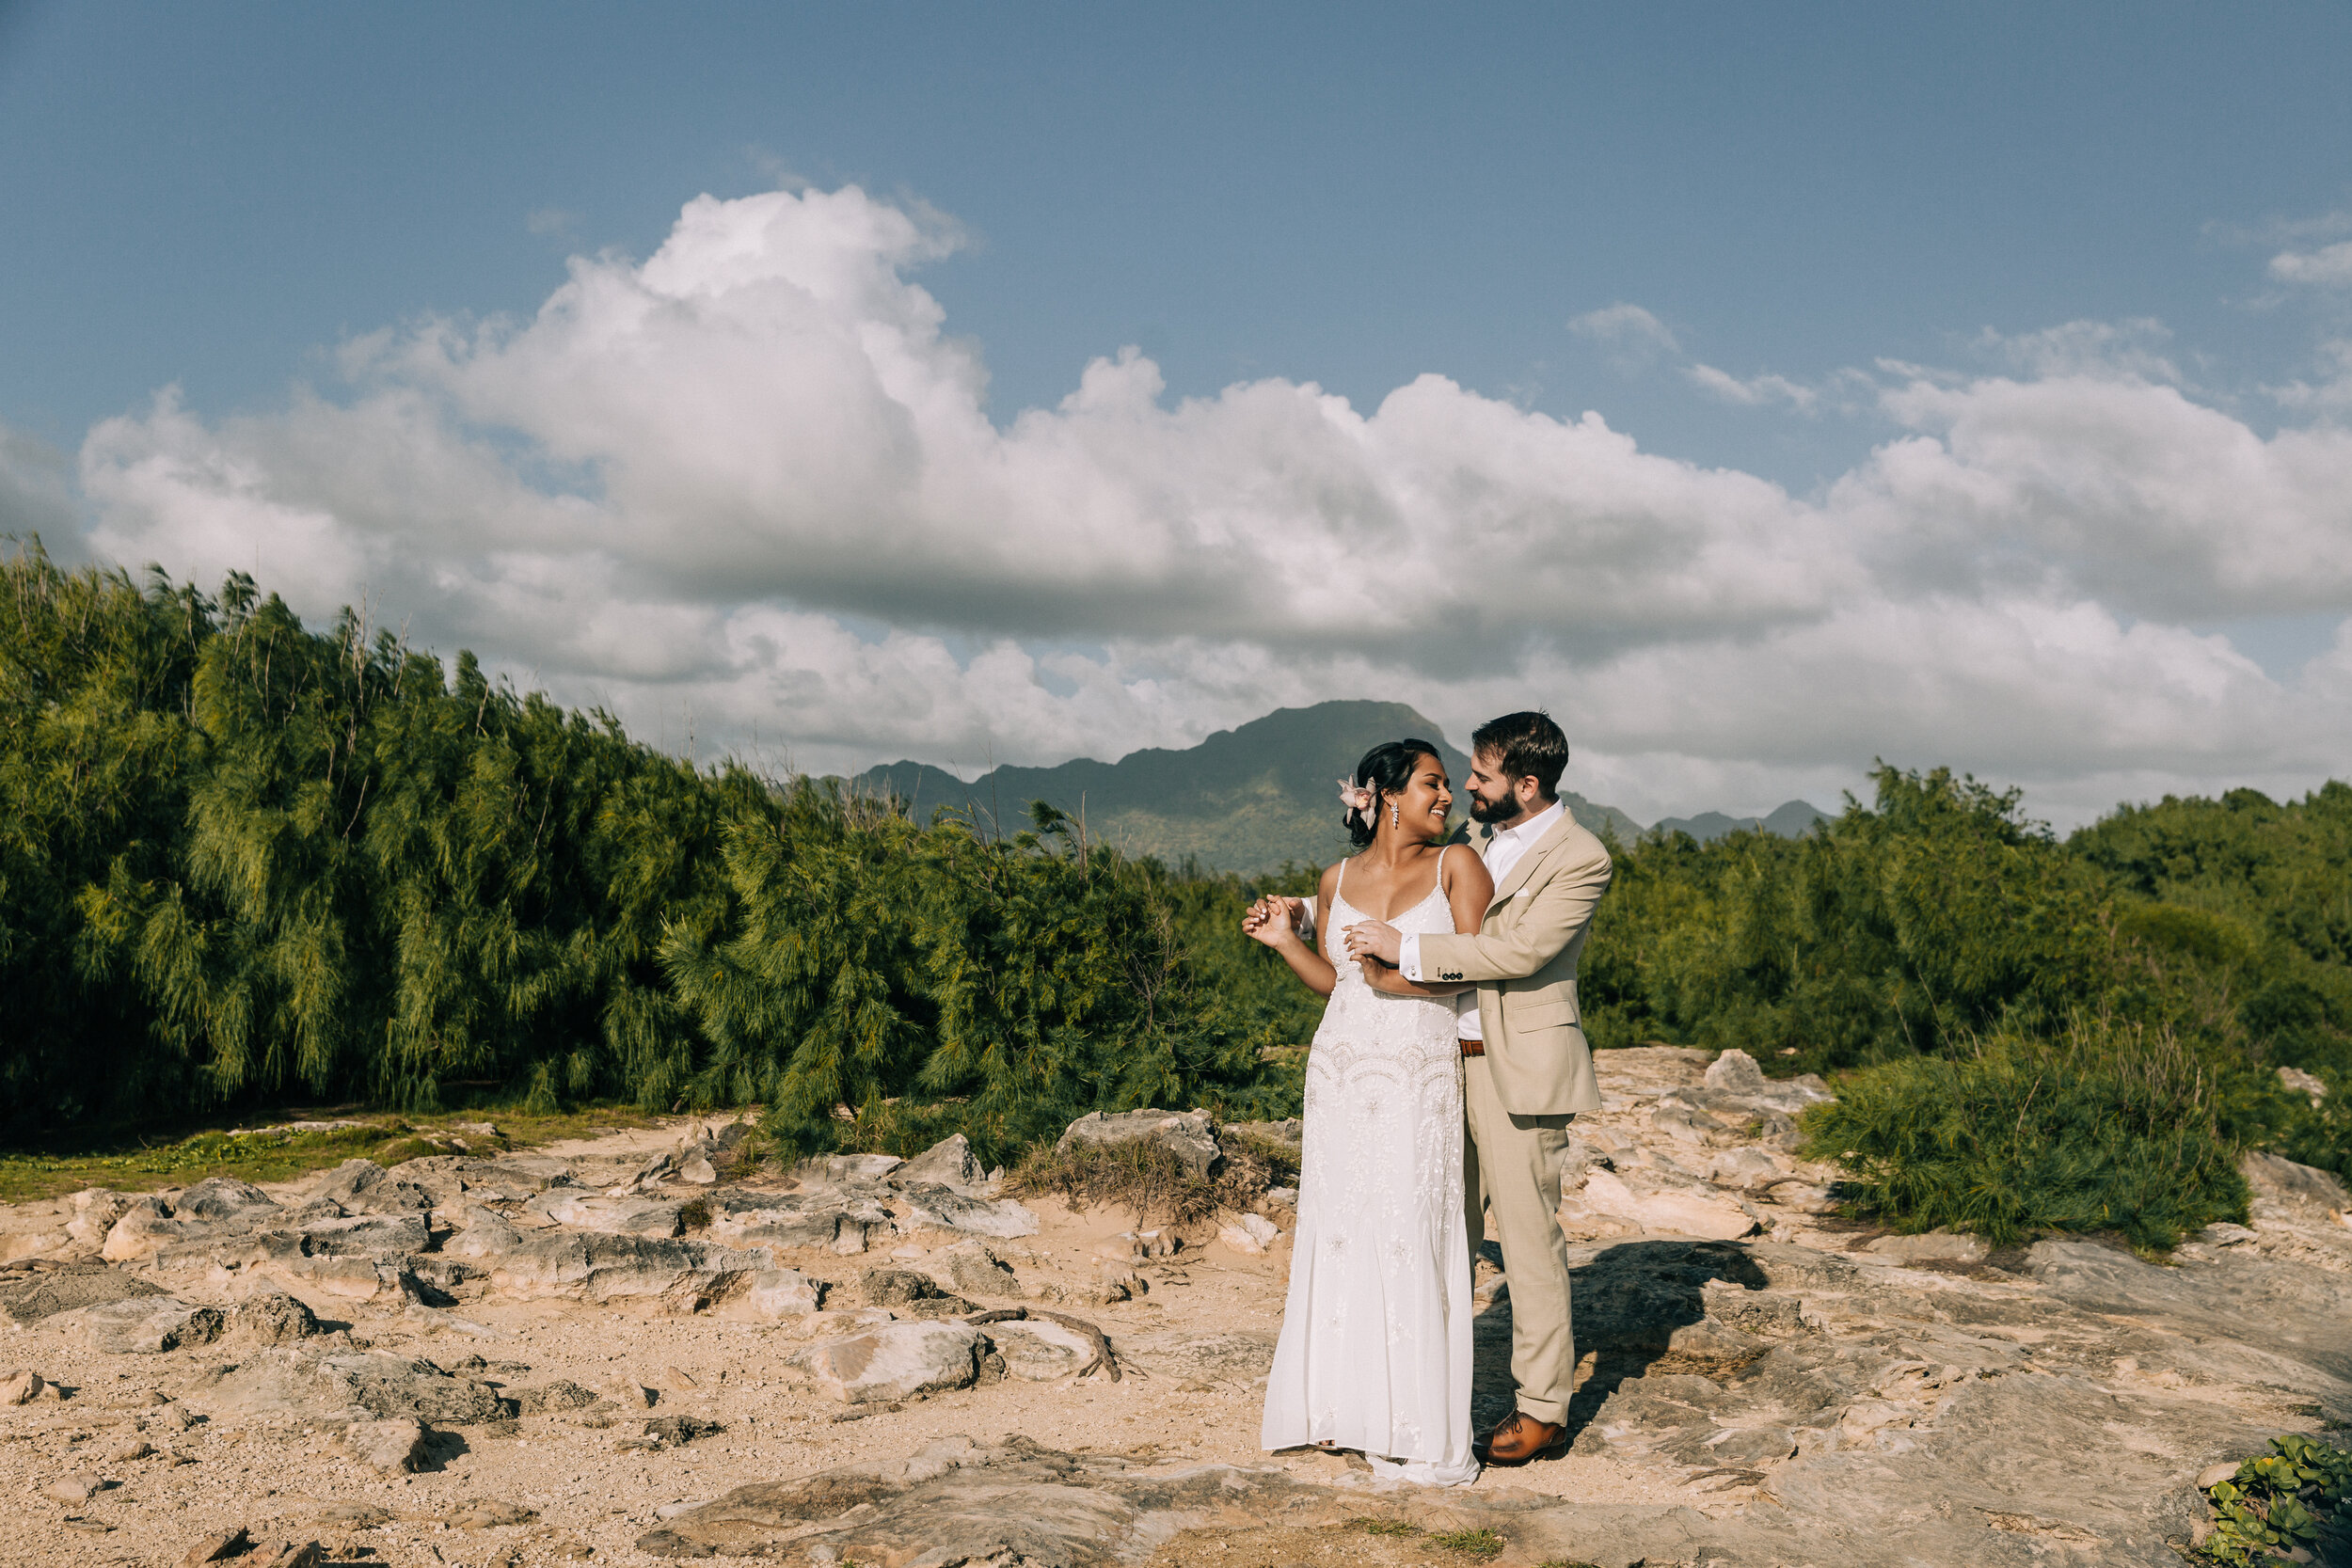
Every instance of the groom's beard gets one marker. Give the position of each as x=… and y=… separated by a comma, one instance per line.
x=1484, y=810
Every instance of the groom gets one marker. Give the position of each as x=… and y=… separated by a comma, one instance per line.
x=1528, y=1070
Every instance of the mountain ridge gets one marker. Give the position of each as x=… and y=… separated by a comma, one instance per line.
x=1245, y=799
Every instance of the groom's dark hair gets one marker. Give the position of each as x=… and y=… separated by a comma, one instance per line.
x=1529, y=745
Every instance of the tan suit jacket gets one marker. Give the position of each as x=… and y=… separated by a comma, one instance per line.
x=1523, y=960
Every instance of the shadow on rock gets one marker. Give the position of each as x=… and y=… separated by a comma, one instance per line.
x=1645, y=1305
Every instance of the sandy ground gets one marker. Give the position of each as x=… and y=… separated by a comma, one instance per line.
x=286, y=1481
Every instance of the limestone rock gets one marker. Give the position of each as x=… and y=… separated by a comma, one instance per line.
x=1932, y=1247
x=678, y=1430
x=562, y=1394
x=770, y=1296
x=364, y=1187
x=2273, y=1177
x=489, y=1514
x=76, y=1488
x=2303, y=1083
x=1240, y=1358
x=894, y=1361
x=974, y=1269
x=1736, y=1072
x=1038, y=1350
x=1746, y=1168
x=595, y=1267
x=1190, y=1135
x=344, y=1387
x=838, y=1222
x=833, y=1168
x=142, y=1225
x=20, y=1388
x=223, y=1197
x=95, y=1211
x=909, y=1295
x=487, y=1233
x=286, y=1554
x=1251, y=1233
x=272, y=1318
x=396, y=1446
x=213, y=1548
x=948, y=1162
x=949, y=1209
x=624, y=1216
x=1290, y=1130
x=2213, y=1475
x=39, y=1289
x=147, y=1325
x=1677, y=1211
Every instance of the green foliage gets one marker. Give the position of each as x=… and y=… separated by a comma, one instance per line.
x=911, y=981
x=2030, y=1035
x=2103, y=1127
x=1882, y=935
x=2291, y=1497
x=241, y=860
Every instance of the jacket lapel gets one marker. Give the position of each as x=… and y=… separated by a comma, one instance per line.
x=1528, y=862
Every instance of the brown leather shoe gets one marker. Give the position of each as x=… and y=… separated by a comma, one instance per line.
x=1521, y=1437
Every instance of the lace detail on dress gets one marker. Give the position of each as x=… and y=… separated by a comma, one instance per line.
x=1376, y=1346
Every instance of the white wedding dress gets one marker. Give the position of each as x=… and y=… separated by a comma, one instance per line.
x=1376, y=1346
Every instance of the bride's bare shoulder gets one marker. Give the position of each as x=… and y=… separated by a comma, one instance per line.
x=1465, y=872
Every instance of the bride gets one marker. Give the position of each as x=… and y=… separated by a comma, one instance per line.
x=1375, y=1347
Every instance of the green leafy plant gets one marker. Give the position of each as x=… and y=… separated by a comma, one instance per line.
x=2291, y=1497
x=2106, y=1128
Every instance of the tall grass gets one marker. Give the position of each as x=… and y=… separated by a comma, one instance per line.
x=2105, y=1126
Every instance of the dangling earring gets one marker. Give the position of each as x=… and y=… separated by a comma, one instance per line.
x=1393, y=822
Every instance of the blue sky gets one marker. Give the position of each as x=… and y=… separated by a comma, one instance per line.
x=1736, y=234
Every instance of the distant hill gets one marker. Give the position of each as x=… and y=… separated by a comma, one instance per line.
x=1245, y=800
x=1790, y=821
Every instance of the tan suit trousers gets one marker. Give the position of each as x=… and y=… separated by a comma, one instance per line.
x=1510, y=1164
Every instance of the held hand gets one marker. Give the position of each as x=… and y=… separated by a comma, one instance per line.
x=1268, y=922
x=1375, y=939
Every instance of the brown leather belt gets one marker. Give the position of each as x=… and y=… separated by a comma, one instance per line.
x=1474, y=1048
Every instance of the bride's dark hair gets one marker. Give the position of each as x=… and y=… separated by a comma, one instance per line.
x=1386, y=769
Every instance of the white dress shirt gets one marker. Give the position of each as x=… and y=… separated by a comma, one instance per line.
x=1505, y=848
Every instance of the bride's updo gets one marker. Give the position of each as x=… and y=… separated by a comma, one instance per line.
x=1386, y=769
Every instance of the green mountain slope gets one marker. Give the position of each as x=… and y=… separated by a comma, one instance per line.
x=1245, y=800
x=1791, y=819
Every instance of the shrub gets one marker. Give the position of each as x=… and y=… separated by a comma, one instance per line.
x=2109, y=1127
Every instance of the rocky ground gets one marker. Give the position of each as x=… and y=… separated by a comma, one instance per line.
x=635, y=1350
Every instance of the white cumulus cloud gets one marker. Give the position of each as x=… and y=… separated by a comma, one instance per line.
x=753, y=477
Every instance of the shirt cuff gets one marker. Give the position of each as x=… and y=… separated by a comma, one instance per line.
x=1409, y=956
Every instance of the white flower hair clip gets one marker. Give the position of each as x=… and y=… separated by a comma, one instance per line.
x=1356, y=798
